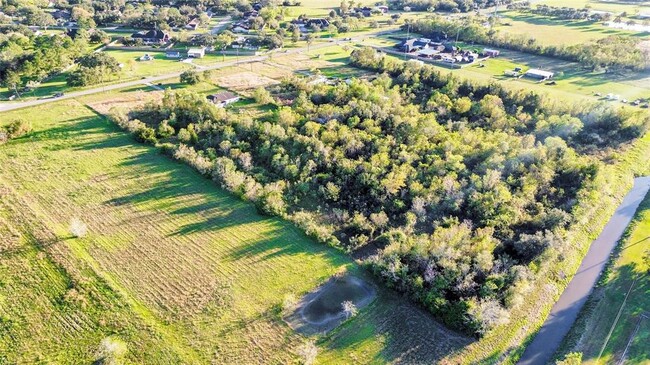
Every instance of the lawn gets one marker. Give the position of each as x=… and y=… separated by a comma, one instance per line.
x=616, y=7
x=628, y=272
x=319, y=7
x=134, y=68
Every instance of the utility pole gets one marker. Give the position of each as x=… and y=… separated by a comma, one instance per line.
x=408, y=36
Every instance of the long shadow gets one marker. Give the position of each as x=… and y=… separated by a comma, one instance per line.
x=83, y=133
x=407, y=333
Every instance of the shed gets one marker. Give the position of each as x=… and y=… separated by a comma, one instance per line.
x=538, y=74
x=196, y=52
x=491, y=52
x=173, y=54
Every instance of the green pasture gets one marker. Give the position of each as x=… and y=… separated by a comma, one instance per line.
x=617, y=7
x=172, y=265
x=549, y=31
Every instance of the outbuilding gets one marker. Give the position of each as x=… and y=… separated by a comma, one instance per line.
x=173, y=54
x=491, y=52
x=538, y=74
x=196, y=52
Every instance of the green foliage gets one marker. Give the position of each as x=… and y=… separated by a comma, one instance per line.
x=28, y=57
x=190, y=77
x=93, y=69
x=17, y=128
x=462, y=187
x=574, y=358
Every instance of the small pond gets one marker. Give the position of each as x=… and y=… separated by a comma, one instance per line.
x=322, y=310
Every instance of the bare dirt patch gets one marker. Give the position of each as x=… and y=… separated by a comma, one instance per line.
x=126, y=101
x=242, y=81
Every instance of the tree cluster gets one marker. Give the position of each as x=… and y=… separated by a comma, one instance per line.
x=26, y=57
x=451, y=189
x=93, y=69
x=457, y=199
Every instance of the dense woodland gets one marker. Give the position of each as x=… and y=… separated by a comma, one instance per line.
x=452, y=191
x=609, y=53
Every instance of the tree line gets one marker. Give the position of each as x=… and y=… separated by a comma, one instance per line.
x=453, y=191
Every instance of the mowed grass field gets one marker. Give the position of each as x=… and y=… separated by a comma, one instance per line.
x=614, y=6
x=628, y=273
x=172, y=265
x=549, y=31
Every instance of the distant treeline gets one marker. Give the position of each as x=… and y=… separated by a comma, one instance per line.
x=444, y=5
x=569, y=13
x=613, y=52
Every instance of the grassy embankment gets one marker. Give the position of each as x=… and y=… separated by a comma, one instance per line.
x=617, y=314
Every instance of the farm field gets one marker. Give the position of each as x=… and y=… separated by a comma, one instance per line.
x=319, y=7
x=631, y=330
x=601, y=5
x=195, y=267
x=549, y=31
x=172, y=267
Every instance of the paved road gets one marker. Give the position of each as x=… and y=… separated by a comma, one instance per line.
x=565, y=311
x=146, y=81
x=221, y=25
x=155, y=79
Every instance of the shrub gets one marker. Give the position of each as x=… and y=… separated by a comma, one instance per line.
x=574, y=358
x=78, y=228
x=349, y=309
x=111, y=351
x=308, y=352
x=190, y=77
x=165, y=130
x=17, y=128
x=487, y=314
x=146, y=135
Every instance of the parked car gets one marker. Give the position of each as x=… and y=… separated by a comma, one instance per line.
x=58, y=95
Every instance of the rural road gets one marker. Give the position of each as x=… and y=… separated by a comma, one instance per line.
x=565, y=311
x=155, y=79
x=145, y=81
